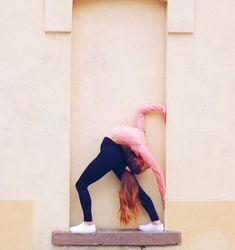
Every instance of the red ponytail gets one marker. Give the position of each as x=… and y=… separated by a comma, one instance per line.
x=128, y=197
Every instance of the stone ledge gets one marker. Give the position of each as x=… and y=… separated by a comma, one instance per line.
x=117, y=237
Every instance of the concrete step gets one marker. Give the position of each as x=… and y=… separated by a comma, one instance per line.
x=117, y=237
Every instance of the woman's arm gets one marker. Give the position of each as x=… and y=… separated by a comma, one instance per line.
x=139, y=119
x=152, y=163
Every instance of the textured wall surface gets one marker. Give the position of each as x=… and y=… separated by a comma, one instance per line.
x=201, y=105
x=204, y=224
x=114, y=44
x=34, y=120
x=16, y=222
x=201, y=129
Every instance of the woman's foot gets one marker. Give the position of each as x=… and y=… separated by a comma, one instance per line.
x=84, y=227
x=153, y=226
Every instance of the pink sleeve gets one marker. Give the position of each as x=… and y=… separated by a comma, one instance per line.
x=152, y=163
x=139, y=119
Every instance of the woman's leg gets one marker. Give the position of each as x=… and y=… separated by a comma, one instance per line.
x=111, y=156
x=145, y=200
x=94, y=171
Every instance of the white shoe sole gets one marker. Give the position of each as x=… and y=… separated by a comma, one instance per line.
x=82, y=230
x=150, y=229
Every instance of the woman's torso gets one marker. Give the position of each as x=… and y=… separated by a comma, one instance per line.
x=128, y=136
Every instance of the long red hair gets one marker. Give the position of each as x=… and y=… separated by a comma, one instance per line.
x=128, y=197
x=129, y=189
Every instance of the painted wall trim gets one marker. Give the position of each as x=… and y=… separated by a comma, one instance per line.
x=58, y=15
x=180, y=16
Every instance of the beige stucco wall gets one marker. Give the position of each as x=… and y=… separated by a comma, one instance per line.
x=201, y=129
x=16, y=224
x=204, y=224
x=36, y=126
x=201, y=105
x=34, y=120
x=118, y=64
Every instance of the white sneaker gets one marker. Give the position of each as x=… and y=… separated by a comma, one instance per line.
x=150, y=227
x=83, y=228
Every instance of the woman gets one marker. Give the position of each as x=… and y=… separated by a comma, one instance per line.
x=114, y=155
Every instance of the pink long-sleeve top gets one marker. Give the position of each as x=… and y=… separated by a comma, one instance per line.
x=134, y=137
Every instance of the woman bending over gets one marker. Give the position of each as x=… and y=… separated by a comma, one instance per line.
x=125, y=153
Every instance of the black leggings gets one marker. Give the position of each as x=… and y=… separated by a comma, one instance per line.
x=111, y=157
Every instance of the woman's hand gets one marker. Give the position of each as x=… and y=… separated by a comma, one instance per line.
x=134, y=164
x=138, y=168
x=164, y=114
x=127, y=169
x=143, y=168
x=164, y=201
